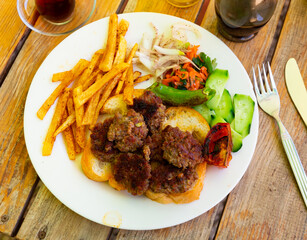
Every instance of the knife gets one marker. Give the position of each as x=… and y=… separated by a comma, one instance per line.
x=296, y=88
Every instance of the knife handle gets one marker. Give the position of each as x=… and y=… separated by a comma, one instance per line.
x=294, y=160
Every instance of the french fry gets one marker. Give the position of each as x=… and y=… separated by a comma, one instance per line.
x=91, y=79
x=143, y=78
x=80, y=136
x=129, y=61
x=69, y=139
x=105, y=95
x=122, y=27
x=128, y=90
x=107, y=60
x=41, y=113
x=121, y=51
x=80, y=67
x=79, y=110
x=67, y=123
x=71, y=110
x=87, y=94
x=55, y=122
x=91, y=108
x=136, y=75
x=88, y=71
x=61, y=76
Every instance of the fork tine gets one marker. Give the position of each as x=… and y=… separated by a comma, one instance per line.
x=261, y=82
x=272, y=78
x=267, y=86
x=255, y=83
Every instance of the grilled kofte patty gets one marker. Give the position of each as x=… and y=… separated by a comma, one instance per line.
x=154, y=143
x=180, y=148
x=152, y=108
x=101, y=147
x=128, y=132
x=168, y=179
x=133, y=172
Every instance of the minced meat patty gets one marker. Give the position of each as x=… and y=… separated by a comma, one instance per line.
x=133, y=172
x=154, y=143
x=180, y=148
x=101, y=148
x=166, y=178
x=152, y=108
x=128, y=132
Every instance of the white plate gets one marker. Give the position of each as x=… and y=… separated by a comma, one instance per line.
x=97, y=201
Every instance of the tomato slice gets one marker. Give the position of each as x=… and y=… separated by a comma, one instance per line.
x=218, y=145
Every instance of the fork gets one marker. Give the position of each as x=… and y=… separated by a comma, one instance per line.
x=268, y=100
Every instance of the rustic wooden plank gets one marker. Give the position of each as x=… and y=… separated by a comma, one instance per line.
x=11, y=40
x=17, y=175
x=47, y=218
x=267, y=203
x=203, y=227
x=163, y=7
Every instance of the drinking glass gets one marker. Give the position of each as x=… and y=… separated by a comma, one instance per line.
x=240, y=20
x=55, y=17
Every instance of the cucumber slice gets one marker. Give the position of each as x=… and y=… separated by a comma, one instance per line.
x=232, y=124
x=225, y=107
x=217, y=119
x=237, y=140
x=204, y=111
x=244, y=110
x=217, y=81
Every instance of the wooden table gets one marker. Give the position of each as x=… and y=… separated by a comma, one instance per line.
x=266, y=204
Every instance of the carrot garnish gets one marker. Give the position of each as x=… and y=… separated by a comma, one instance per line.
x=187, y=77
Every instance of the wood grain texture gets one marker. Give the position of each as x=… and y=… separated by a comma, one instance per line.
x=159, y=6
x=48, y=218
x=267, y=203
x=17, y=175
x=203, y=227
x=9, y=40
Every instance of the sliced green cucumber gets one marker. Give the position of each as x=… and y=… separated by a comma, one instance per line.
x=236, y=137
x=232, y=124
x=217, y=81
x=204, y=111
x=225, y=107
x=217, y=119
x=244, y=110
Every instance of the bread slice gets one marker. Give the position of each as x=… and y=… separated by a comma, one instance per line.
x=93, y=168
x=117, y=104
x=185, y=118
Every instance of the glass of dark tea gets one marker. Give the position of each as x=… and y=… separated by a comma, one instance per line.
x=56, y=11
x=55, y=17
x=240, y=20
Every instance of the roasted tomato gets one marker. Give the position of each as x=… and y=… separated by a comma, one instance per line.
x=218, y=144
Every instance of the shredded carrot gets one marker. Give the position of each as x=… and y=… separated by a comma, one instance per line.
x=192, y=51
x=187, y=77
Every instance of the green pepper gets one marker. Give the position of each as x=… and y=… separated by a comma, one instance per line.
x=177, y=97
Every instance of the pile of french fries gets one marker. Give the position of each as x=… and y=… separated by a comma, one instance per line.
x=85, y=88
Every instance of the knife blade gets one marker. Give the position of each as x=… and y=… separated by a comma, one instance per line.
x=296, y=88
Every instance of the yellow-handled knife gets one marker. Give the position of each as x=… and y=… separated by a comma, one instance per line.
x=296, y=88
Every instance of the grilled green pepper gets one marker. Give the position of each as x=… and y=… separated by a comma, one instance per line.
x=177, y=97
